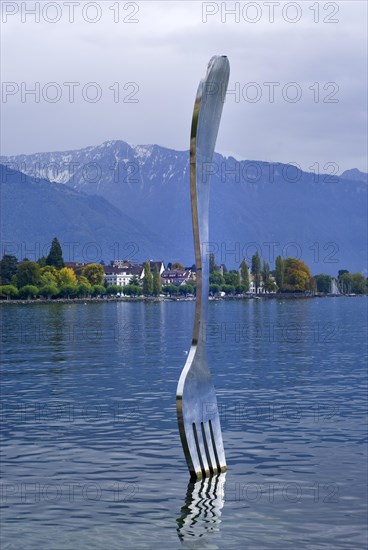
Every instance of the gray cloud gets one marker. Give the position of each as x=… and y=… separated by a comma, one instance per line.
x=165, y=55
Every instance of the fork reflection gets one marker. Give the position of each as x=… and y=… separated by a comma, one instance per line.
x=201, y=512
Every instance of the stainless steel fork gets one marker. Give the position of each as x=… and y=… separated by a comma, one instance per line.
x=196, y=403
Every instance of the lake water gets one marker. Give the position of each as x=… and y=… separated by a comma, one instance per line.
x=91, y=455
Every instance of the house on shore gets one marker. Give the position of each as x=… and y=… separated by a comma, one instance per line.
x=120, y=272
x=121, y=276
x=176, y=277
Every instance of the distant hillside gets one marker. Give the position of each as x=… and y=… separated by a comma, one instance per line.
x=88, y=226
x=355, y=175
x=320, y=218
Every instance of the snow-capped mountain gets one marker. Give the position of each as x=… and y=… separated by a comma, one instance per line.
x=274, y=208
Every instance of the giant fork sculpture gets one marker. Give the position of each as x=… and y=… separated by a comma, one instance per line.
x=196, y=403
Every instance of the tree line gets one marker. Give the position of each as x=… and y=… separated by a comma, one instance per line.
x=50, y=278
x=289, y=275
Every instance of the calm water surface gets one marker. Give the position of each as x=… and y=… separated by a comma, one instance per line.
x=91, y=455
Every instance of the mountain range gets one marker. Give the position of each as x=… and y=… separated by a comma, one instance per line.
x=133, y=202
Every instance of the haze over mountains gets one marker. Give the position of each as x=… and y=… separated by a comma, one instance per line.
x=115, y=194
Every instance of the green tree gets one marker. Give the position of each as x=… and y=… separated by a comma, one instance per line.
x=68, y=291
x=279, y=275
x=256, y=270
x=228, y=289
x=270, y=285
x=50, y=269
x=352, y=283
x=48, y=279
x=358, y=283
x=84, y=287
x=345, y=282
x=214, y=289
x=186, y=289
x=172, y=290
x=232, y=278
x=216, y=278
x=8, y=268
x=28, y=291
x=132, y=290
x=265, y=271
x=49, y=291
x=244, y=275
x=341, y=272
x=156, y=283
x=55, y=256
x=212, y=263
x=94, y=273
x=28, y=273
x=323, y=283
x=147, y=280
x=134, y=280
x=98, y=290
x=42, y=261
x=112, y=290
x=8, y=291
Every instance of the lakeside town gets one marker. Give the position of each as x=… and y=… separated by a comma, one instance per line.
x=51, y=278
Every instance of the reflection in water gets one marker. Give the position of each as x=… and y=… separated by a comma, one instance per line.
x=201, y=513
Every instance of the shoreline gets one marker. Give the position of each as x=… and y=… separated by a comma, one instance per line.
x=155, y=299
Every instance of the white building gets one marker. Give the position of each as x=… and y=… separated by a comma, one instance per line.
x=121, y=276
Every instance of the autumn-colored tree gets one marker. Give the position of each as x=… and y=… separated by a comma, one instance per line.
x=67, y=277
x=177, y=266
x=94, y=273
x=49, y=269
x=297, y=276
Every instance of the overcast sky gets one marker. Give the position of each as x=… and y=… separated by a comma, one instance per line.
x=314, y=62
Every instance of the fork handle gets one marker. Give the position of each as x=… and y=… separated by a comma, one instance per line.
x=205, y=124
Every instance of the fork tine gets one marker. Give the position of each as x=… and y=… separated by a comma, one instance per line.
x=216, y=437
x=214, y=466
x=198, y=436
x=191, y=451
